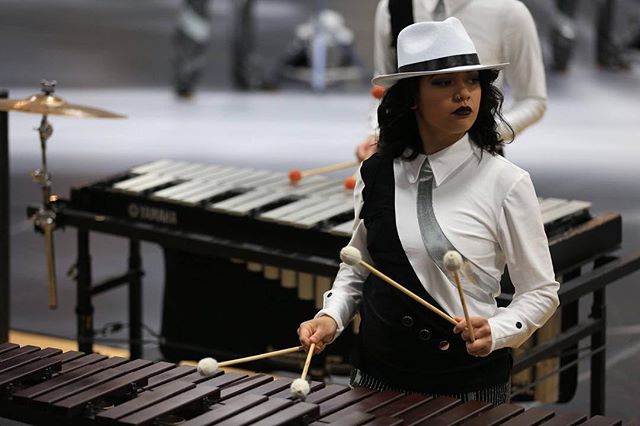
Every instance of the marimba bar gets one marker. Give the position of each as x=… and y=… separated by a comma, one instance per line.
x=48, y=387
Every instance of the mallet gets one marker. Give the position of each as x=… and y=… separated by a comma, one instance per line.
x=296, y=175
x=352, y=256
x=377, y=91
x=350, y=183
x=453, y=263
x=300, y=387
x=208, y=366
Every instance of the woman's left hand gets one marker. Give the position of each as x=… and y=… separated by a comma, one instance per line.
x=482, y=333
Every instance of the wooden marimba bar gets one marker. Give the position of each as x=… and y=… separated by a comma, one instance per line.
x=48, y=387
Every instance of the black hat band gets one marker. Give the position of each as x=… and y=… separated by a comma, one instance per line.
x=442, y=63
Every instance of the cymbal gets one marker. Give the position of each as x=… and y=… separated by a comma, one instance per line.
x=48, y=104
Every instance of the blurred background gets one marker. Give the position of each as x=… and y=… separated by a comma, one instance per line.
x=254, y=102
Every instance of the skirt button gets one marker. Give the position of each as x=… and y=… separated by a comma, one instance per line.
x=407, y=321
x=424, y=334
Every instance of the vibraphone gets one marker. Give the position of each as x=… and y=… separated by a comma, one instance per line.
x=48, y=387
x=313, y=218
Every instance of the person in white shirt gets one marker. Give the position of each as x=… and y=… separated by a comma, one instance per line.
x=502, y=30
x=436, y=185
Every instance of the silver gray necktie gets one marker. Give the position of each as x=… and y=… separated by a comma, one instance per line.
x=433, y=238
x=435, y=241
x=438, y=11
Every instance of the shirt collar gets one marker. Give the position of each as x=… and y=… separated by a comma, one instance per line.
x=449, y=5
x=430, y=5
x=443, y=162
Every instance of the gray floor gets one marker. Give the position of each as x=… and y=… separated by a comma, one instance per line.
x=113, y=54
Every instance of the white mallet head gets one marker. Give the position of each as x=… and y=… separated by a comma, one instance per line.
x=452, y=261
x=300, y=388
x=350, y=255
x=207, y=366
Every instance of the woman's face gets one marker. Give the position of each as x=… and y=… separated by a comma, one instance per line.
x=448, y=104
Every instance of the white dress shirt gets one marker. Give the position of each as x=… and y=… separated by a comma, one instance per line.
x=488, y=209
x=502, y=31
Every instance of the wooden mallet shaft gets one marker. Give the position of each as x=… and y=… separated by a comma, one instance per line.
x=409, y=293
x=307, y=362
x=456, y=278
x=453, y=262
x=259, y=357
x=296, y=175
x=330, y=168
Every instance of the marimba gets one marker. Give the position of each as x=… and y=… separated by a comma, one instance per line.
x=47, y=387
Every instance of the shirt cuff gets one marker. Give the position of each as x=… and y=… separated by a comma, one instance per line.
x=336, y=318
x=507, y=330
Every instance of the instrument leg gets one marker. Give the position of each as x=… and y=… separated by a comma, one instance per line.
x=48, y=229
x=598, y=366
x=4, y=223
x=84, y=308
x=570, y=317
x=135, y=300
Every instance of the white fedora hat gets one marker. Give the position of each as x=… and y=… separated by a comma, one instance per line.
x=436, y=47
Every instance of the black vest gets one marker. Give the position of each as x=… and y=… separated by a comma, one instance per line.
x=400, y=341
x=401, y=13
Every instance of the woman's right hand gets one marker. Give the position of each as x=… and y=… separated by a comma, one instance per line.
x=321, y=331
x=367, y=147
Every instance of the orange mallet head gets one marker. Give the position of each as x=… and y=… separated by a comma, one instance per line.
x=377, y=92
x=350, y=183
x=295, y=176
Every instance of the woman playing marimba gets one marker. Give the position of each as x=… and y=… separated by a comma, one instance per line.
x=436, y=185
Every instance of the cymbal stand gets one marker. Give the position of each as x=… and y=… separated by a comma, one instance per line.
x=45, y=218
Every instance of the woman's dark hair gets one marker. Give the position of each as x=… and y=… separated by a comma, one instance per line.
x=399, y=128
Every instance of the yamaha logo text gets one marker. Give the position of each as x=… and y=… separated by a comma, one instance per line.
x=152, y=214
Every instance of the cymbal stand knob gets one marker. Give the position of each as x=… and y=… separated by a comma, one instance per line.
x=45, y=129
x=41, y=178
x=48, y=87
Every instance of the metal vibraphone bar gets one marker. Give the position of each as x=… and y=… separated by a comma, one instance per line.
x=47, y=386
